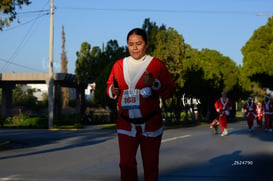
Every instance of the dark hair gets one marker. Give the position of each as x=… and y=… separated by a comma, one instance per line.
x=140, y=32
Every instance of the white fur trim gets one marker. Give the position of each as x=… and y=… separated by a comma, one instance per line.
x=132, y=83
x=133, y=131
x=154, y=133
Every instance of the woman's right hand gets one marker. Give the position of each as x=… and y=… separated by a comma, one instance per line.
x=148, y=79
x=115, y=91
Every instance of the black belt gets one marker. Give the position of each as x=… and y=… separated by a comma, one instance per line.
x=139, y=120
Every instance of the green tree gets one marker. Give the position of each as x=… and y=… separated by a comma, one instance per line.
x=83, y=63
x=23, y=96
x=112, y=53
x=170, y=49
x=168, y=45
x=205, y=74
x=8, y=8
x=151, y=29
x=248, y=87
x=94, y=65
x=257, y=61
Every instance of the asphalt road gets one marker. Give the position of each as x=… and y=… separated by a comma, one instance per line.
x=91, y=154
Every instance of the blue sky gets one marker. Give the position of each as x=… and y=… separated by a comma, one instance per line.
x=222, y=25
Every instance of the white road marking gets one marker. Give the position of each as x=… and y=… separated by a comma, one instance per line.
x=175, y=138
x=10, y=177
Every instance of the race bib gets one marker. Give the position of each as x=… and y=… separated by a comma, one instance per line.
x=130, y=99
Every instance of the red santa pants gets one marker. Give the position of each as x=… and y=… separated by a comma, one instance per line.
x=268, y=121
x=149, y=148
x=223, y=122
x=259, y=120
x=250, y=120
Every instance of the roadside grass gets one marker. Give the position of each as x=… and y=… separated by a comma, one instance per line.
x=108, y=126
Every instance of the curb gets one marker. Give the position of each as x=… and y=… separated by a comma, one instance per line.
x=3, y=144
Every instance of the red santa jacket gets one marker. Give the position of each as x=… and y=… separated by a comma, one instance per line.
x=250, y=108
x=138, y=108
x=223, y=107
x=267, y=107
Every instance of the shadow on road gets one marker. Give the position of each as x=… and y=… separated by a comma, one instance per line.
x=258, y=133
x=51, y=141
x=229, y=167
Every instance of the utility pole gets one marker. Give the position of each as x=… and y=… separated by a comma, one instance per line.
x=50, y=69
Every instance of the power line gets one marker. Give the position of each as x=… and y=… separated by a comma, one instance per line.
x=25, y=23
x=18, y=65
x=158, y=10
x=38, y=14
x=33, y=12
x=22, y=44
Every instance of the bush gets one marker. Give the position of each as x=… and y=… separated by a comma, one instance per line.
x=24, y=121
